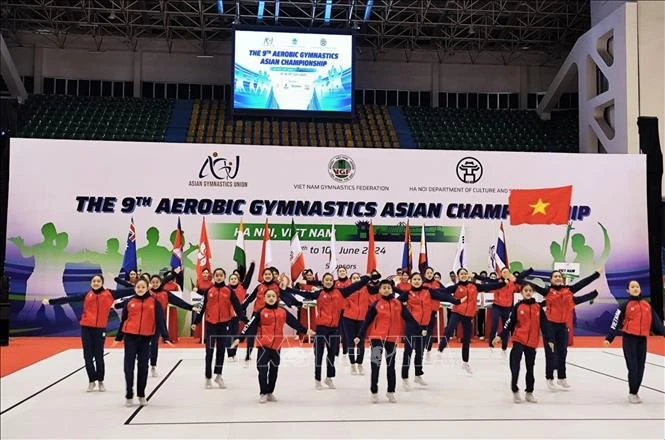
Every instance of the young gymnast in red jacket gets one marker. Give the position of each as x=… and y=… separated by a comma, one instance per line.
x=239, y=284
x=267, y=324
x=465, y=312
x=329, y=306
x=418, y=300
x=355, y=309
x=384, y=326
x=142, y=318
x=560, y=304
x=634, y=320
x=525, y=322
x=97, y=304
x=220, y=306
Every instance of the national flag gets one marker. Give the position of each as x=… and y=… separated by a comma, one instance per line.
x=371, y=251
x=176, y=254
x=543, y=206
x=129, y=260
x=239, y=251
x=407, y=256
x=499, y=253
x=460, y=255
x=297, y=256
x=266, y=251
x=332, y=256
x=422, y=257
x=204, y=254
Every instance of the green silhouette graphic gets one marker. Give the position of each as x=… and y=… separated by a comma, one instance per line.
x=584, y=254
x=109, y=261
x=50, y=259
x=153, y=257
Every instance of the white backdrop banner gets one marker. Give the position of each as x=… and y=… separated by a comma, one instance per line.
x=71, y=203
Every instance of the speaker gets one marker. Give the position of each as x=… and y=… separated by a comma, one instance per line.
x=650, y=145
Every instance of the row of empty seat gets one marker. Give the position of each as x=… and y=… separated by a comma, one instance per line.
x=140, y=119
x=99, y=118
x=372, y=127
x=497, y=130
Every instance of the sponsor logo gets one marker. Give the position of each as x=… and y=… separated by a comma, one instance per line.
x=469, y=170
x=341, y=168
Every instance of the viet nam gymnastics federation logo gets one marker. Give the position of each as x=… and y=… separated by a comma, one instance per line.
x=341, y=168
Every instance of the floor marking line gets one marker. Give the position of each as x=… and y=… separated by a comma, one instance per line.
x=46, y=388
x=614, y=377
x=135, y=413
x=234, y=422
x=621, y=356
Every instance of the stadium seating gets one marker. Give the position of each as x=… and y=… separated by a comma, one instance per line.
x=141, y=119
x=372, y=127
x=99, y=118
x=493, y=130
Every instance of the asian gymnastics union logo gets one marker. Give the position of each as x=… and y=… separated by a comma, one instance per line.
x=341, y=168
x=469, y=170
x=219, y=167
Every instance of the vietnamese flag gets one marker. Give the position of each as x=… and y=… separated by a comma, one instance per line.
x=544, y=206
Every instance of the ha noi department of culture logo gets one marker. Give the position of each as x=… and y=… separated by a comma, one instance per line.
x=341, y=168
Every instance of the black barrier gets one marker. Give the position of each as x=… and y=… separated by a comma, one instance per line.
x=650, y=145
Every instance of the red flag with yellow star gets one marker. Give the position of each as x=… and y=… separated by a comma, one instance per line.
x=544, y=206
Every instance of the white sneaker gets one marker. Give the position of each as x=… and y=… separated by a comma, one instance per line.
x=91, y=387
x=504, y=353
x=220, y=381
x=232, y=359
x=428, y=355
x=634, y=398
x=550, y=385
x=529, y=398
x=361, y=372
x=481, y=338
x=374, y=398
x=406, y=384
x=466, y=367
x=317, y=385
x=272, y=398
x=354, y=370
x=563, y=383
x=208, y=384
x=329, y=383
x=246, y=364
x=129, y=402
x=101, y=386
x=263, y=398
x=517, y=398
x=420, y=381
x=391, y=397
x=153, y=372
x=143, y=401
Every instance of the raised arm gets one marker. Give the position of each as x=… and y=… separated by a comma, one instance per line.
x=523, y=275
x=179, y=302
x=442, y=294
x=292, y=322
x=352, y=288
x=369, y=318
x=657, y=324
x=586, y=297
x=122, y=282
x=248, y=276
x=488, y=287
x=250, y=298
x=581, y=284
x=617, y=323
x=237, y=307
x=199, y=316
x=122, y=293
x=539, y=289
x=311, y=296
x=64, y=299
x=161, y=323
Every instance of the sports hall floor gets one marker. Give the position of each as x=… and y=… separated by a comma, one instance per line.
x=43, y=382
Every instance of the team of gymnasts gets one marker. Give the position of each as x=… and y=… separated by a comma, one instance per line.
x=349, y=311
